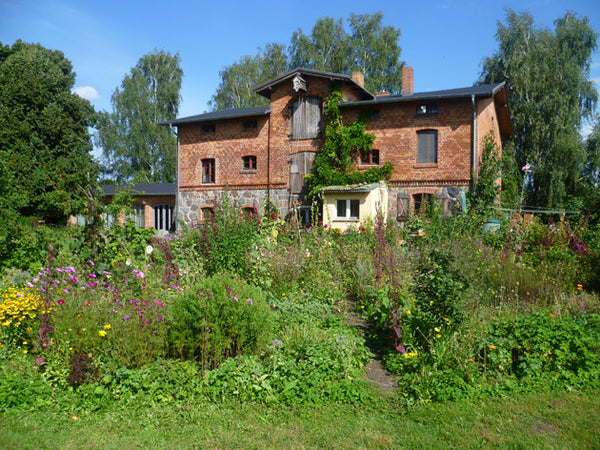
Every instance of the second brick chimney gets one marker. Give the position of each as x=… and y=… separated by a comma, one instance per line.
x=359, y=78
x=408, y=80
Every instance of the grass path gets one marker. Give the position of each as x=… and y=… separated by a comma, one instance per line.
x=550, y=420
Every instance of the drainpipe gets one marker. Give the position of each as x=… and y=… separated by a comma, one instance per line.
x=269, y=158
x=474, y=151
x=176, y=181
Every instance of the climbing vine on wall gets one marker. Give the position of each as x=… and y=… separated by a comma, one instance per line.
x=335, y=164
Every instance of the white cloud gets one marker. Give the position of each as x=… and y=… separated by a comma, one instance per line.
x=595, y=81
x=87, y=92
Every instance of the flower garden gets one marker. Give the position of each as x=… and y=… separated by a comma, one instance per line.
x=249, y=310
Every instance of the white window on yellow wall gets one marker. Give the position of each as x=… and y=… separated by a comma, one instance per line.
x=348, y=209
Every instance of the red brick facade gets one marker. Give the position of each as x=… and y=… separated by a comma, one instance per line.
x=395, y=121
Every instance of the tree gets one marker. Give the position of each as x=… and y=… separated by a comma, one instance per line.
x=550, y=93
x=486, y=189
x=375, y=52
x=45, y=159
x=371, y=49
x=239, y=79
x=136, y=146
x=327, y=48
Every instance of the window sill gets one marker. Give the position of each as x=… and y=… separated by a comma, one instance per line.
x=425, y=166
x=346, y=219
x=249, y=171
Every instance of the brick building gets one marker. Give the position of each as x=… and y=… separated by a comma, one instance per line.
x=433, y=139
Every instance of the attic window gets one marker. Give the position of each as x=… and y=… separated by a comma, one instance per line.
x=250, y=125
x=427, y=110
x=306, y=118
x=209, y=128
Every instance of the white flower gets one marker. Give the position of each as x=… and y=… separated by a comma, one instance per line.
x=128, y=262
x=149, y=250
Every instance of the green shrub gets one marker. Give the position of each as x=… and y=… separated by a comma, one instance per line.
x=221, y=317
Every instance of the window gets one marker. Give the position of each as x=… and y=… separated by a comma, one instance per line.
x=249, y=162
x=428, y=142
x=249, y=212
x=370, y=158
x=208, y=170
x=423, y=203
x=163, y=217
x=425, y=110
x=207, y=214
x=138, y=215
x=348, y=209
x=250, y=125
x=209, y=128
x=306, y=118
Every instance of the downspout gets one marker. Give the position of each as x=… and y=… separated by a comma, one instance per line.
x=269, y=160
x=176, y=181
x=474, y=150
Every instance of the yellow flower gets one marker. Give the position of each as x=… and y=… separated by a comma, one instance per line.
x=431, y=303
x=101, y=333
x=24, y=352
x=107, y=326
x=437, y=329
x=408, y=313
x=580, y=287
x=438, y=336
x=493, y=347
x=471, y=360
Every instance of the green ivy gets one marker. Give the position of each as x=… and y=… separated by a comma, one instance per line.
x=335, y=163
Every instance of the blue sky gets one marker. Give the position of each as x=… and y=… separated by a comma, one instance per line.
x=443, y=40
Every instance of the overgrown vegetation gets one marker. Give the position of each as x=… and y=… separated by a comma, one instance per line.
x=255, y=312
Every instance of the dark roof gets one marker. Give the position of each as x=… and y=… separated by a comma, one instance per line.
x=231, y=113
x=265, y=88
x=144, y=189
x=483, y=90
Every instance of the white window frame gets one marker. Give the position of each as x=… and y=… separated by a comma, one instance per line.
x=348, y=209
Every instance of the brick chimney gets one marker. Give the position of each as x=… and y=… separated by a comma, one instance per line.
x=408, y=80
x=359, y=78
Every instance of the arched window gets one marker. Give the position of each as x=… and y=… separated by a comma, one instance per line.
x=164, y=217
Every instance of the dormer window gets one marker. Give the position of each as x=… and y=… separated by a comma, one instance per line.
x=307, y=120
x=427, y=110
x=209, y=128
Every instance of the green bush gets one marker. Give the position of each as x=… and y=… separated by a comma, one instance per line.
x=221, y=317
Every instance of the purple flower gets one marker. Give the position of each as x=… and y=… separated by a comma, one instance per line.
x=29, y=284
x=249, y=300
x=92, y=275
x=126, y=318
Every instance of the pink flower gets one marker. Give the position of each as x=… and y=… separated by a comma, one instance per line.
x=526, y=168
x=61, y=301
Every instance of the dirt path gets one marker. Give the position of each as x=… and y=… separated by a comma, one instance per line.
x=376, y=373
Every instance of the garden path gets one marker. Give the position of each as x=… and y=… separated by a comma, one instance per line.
x=375, y=371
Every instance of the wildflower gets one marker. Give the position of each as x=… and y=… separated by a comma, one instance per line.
x=249, y=300
x=437, y=330
x=408, y=313
x=102, y=333
x=74, y=417
x=60, y=301
x=580, y=287
x=552, y=315
x=471, y=360
x=438, y=335
x=107, y=326
x=126, y=318
x=24, y=352
x=431, y=303
x=149, y=250
x=493, y=347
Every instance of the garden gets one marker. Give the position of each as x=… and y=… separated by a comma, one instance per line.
x=252, y=317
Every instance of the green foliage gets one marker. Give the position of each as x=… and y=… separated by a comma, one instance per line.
x=335, y=163
x=370, y=48
x=45, y=146
x=219, y=318
x=486, y=188
x=550, y=93
x=239, y=79
x=136, y=144
x=226, y=238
